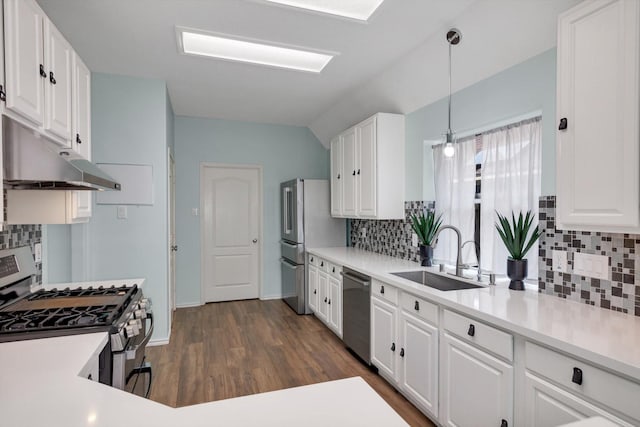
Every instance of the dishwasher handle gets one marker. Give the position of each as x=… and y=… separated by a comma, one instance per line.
x=357, y=279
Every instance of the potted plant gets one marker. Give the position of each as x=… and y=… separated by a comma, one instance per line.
x=514, y=236
x=426, y=227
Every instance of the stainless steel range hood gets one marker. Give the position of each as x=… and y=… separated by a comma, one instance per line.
x=33, y=162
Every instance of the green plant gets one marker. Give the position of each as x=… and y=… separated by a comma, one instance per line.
x=426, y=226
x=514, y=234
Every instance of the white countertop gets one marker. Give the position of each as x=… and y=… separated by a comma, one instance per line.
x=602, y=336
x=40, y=386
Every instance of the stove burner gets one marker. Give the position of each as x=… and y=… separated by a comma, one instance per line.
x=56, y=318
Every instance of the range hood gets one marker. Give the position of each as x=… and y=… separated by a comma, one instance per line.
x=34, y=162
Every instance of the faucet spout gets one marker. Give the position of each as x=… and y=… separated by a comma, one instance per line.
x=459, y=244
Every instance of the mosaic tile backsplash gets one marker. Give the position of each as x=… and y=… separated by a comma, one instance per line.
x=621, y=293
x=389, y=237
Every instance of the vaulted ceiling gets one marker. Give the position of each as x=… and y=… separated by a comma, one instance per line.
x=138, y=38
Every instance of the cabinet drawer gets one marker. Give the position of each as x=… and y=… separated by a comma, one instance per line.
x=314, y=260
x=603, y=387
x=485, y=336
x=384, y=291
x=334, y=270
x=419, y=307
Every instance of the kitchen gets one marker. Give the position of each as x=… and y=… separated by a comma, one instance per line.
x=155, y=110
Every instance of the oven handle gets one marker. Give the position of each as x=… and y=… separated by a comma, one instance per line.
x=141, y=370
x=131, y=353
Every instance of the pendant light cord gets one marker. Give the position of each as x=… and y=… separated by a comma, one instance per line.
x=449, y=128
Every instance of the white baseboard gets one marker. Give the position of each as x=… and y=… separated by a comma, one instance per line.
x=160, y=341
x=270, y=297
x=188, y=305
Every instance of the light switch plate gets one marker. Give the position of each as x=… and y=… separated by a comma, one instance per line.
x=363, y=232
x=194, y=211
x=591, y=265
x=560, y=261
x=414, y=239
x=38, y=252
x=122, y=212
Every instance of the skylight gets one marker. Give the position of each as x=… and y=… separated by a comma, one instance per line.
x=222, y=47
x=355, y=9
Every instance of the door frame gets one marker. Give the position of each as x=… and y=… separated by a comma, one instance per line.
x=171, y=193
x=209, y=165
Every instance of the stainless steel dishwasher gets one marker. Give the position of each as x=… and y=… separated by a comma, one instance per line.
x=356, y=295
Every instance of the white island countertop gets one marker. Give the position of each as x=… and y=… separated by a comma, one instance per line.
x=40, y=386
x=602, y=336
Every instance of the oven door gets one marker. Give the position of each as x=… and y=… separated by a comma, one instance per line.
x=131, y=372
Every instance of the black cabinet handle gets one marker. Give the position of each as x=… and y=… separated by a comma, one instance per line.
x=577, y=376
x=382, y=289
x=325, y=299
x=90, y=377
x=563, y=124
x=504, y=423
x=329, y=302
x=315, y=291
x=333, y=270
x=393, y=346
x=3, y=94
x=416, y=306
x=472, y=330
x=322, y=264
x=338, y=176
x=358, y=171
x=52, y=78
x=402, y=352
x=311, y=259
x=43, y=73
x=78, y=140
x=354, y=172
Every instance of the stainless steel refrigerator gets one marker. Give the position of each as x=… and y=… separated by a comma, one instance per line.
x=305, y=222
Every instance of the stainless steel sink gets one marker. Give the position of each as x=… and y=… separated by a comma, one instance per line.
x=437, y=281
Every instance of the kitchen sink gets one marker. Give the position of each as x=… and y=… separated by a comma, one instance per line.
x=437, y=281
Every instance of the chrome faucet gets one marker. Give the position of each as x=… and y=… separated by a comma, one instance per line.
x=459, y=265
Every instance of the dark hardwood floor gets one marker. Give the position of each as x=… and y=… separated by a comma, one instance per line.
x=224, y=350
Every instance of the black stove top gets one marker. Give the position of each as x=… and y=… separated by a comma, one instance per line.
x=44, y=314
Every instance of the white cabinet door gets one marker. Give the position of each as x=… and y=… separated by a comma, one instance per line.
x=349, y=166
x=598, y=94
x=313, y=288
x=323, y=296
x=419, y=362
x=335, y=305
x=366, y=168
x=476, y=388
x=337, y=177
x=549, y=406
x=58, y=60
x=24, y=58
x=81, y=138
x=383, y=338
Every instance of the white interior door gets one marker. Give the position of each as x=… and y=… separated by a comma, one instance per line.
x=231, y=216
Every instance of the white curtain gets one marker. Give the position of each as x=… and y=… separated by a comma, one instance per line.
x=455, y=190
x=510, y=183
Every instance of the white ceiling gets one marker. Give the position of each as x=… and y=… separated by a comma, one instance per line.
x=394, y=63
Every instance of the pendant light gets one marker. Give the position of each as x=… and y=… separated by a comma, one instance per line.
x=453, y=38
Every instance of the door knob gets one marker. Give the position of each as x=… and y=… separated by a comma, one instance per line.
x=255, y=240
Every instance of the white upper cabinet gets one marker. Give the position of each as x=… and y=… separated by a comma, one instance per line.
x=371, y=156
x=58, y=83
x=598, y=156
x=81, y=135
x=24, y=59
x=336, y=177
x=349, y=181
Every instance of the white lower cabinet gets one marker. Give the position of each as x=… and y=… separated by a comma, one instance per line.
x=418, y=373
x=323, y=296
x=334, y=309
x=324, y=287
x=312, y=290
x=548, y=405
x=404, y=348
x=476, y=388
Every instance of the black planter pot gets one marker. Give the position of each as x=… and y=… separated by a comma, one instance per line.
x=426, y=255
x=517, y=272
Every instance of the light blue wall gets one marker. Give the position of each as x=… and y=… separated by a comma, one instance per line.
x=58, y=253
x=523, y=88
x=284, y=152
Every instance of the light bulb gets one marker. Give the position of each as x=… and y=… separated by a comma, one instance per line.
x=449, y=151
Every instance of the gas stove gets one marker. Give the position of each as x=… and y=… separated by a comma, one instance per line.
x=115, y=307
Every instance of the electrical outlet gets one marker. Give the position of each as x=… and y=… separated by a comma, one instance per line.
x=414, y=240
x=122, y=212
x=363, y=232
x=591, y=265
x=194, y=211
x=559, y=261
x=38, y=252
